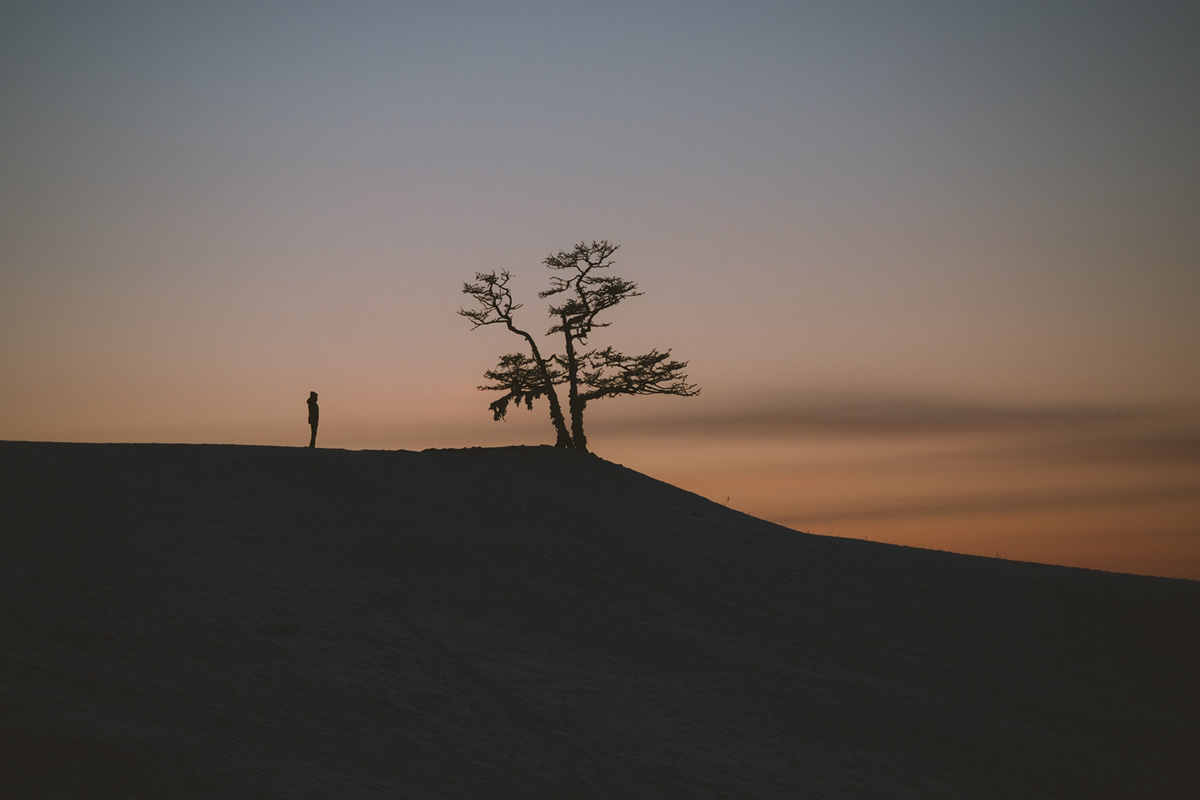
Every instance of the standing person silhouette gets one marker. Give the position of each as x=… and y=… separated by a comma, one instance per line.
x=314, y=416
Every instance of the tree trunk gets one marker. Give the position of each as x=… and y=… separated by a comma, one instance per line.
x=573, y=400
x=560, y=425
x=577, y=406
x=556, y=415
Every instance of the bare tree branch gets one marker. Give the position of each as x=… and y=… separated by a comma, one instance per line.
x=494, y=297
x=593, y=293
x=496, y=306
x=608, y=373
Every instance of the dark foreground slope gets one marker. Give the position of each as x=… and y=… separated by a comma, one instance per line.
x=210, y=621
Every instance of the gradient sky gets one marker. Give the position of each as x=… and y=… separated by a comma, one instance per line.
x=936, y=265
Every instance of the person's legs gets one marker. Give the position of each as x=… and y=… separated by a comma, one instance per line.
x=313, y=442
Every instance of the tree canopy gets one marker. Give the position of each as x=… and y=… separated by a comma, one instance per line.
x=581, y=290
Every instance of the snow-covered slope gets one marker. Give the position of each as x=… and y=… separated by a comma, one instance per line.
x=219, y=621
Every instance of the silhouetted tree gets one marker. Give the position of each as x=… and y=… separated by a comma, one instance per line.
x=589, y=375
x=520, y=378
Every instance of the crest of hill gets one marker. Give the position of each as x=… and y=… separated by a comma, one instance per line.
x=190, y=620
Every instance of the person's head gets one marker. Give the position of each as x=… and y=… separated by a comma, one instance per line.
x=312, y=395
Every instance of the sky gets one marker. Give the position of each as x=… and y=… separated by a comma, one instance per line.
x=934, y=265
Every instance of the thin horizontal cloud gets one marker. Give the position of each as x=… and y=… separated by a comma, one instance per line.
x=1172, y=442
x=991, y=505
x=975, y=435
x=877, y=417
x=1180, y=447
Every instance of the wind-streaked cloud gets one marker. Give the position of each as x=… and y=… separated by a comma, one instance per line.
x=1031, y=481
x=987, y=504
x=879, y=416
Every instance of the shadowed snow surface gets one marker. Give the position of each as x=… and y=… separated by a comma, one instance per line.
x=221, y=621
